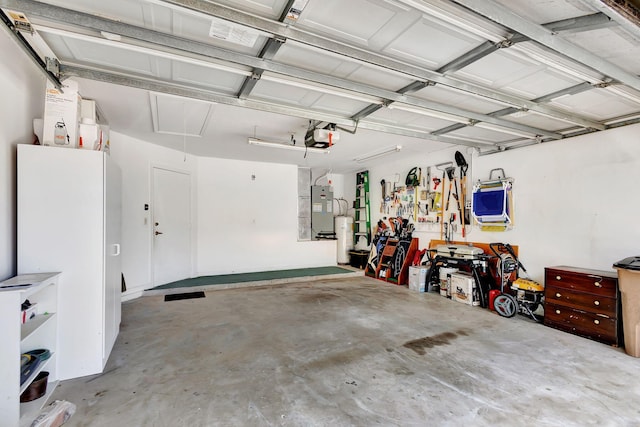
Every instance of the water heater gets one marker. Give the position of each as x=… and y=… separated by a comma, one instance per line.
x=344, y=234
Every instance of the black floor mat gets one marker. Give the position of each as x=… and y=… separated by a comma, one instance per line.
x=188, y=295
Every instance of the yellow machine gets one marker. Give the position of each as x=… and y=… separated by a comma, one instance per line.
x=525, y=295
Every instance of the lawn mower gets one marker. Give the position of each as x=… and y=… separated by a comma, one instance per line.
x=521, y=295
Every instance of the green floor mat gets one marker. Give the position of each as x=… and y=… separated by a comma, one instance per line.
x=253, y=277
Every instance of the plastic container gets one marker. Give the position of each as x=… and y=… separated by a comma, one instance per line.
x=629, y=285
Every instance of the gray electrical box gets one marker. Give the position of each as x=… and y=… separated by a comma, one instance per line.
x=322, y=212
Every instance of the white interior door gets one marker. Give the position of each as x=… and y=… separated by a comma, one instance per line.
x=171, y=225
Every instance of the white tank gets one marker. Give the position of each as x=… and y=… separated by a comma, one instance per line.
x=344, y=234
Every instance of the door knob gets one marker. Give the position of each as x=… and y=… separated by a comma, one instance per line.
x=159, y=232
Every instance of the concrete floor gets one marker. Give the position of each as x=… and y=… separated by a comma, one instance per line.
x=353, y=351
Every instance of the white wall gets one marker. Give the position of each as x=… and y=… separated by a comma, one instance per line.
x=136, y=159
x=247, y=225
x=22, y=100
x=576, y=200
x=238, y=224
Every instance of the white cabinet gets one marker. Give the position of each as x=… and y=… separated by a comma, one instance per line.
x=40, y=332
x=69, y=220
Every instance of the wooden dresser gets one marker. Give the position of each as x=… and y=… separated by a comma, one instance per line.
x=583, y=302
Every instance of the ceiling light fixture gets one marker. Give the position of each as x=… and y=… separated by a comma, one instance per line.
x=377, y=154
x=270, y=144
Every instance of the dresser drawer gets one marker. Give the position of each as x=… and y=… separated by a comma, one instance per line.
x=597, y=304
x=591, y=281
x=589, y=325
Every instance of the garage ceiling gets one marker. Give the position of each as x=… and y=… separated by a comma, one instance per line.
x=423, y=74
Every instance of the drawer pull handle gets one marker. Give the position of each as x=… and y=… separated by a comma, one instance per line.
x=597, y=322
x=596, y=302
x=557, y=311
x=558, y=278
x=597, y=284
x=558, y=295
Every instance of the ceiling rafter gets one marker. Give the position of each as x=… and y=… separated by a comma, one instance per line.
x=141, y=37
x=205, y=94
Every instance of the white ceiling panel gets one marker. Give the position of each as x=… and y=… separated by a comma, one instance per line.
x=378, y=78
x=542, y=12
x=612, y=44
x=313, y=59
x=418, y=121
x=500, y=69
x=480, y=134
x=442, y=94
x=218, y=32
x=305, y=98
x=266, y=8
x=431, y=43
x=336, y=17
x=542, y=82
x=221, y=81
x=191, y=119
x=536, y=120
x=104, y=55
x=300, y=97
x=122, y=10
x=597, y=104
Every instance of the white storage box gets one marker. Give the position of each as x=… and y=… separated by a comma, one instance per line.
x=61, y=115
x=463, y=289
x=417, y=277
x=445, y=273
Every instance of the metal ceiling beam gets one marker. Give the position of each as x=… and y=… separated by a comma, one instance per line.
x=205, y=94
x=160, y=42
x=268, y=51
x=8, y=26
x=361, y=55
x=578, y=24
x=619, y=12
x=503, y=16
x=470, y=57
x=372, y=108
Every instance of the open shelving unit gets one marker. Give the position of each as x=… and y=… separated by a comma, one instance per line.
x=40, y=332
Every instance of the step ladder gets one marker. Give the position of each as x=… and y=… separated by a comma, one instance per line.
x=362, y=220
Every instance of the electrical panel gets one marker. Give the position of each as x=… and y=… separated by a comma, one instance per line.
x=322, y=212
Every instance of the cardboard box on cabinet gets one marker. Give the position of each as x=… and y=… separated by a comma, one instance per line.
x=61, y=115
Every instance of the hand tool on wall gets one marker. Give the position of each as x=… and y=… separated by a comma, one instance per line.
x=442, y=167
x=450, y=175
x=462, y=164
x=383, y=184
